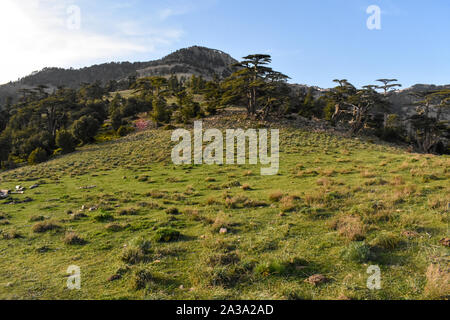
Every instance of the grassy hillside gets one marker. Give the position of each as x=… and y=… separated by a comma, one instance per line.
x=337, y=206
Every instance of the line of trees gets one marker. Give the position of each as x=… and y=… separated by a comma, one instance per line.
x=41, y=124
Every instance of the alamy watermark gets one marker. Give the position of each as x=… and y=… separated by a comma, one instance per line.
x=374, y=21
x=374, y=281
x=74, y=279
x=73, y=21
x=213, y=153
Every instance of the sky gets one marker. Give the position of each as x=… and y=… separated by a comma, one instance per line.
x=312, y=41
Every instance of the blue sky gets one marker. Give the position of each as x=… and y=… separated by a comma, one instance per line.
x=313, y=42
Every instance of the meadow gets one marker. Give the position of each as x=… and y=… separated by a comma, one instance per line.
x=140, y=227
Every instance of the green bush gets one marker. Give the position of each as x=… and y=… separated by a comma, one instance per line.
x=104, y=217
x=116, y=119
x=132, y=255
x=270, y=268
x=160, y=111
x=39, y=155
x=86, y=128
x=142, y=244
x=124, y=130
x=66, y=141
x=142, y=278
x=357, y=252
x=386, y=240
x=167, y=235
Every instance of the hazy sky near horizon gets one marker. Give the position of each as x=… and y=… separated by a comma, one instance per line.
x=312, y=41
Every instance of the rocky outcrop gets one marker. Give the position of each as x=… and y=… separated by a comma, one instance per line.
x=199, y=61
x=404, y=102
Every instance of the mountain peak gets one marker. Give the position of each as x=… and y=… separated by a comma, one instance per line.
x=197, y=60
x=183, y=63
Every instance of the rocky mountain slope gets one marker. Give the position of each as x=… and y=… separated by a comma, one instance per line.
x=196, y=60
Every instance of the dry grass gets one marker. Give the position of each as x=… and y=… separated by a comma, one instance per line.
x=350, y=227
x=276, y=196
x=398, y=181
x=287, y=204
x=438, y=282
x=72, y=238
x=42, y=227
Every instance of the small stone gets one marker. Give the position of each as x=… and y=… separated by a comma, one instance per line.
x=317, y=279
x=410, y=234
x=445, y=242
x=115, y=277
x=223, y=231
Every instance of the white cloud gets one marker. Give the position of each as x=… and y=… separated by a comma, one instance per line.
x=35, y=35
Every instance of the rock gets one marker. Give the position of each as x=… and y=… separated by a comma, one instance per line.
x=410, y=234
x=445, y=242
x=223, y=231
x=4, y=194
x=317, y=279
x=88, y=187
x=93, y=209
x=20, y=188
x=115, y=277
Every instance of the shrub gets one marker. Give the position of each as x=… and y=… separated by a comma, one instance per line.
x=42, y=227
x=116, y=119
x=72, y=238
x=386, y=240
x=114, y=227
x=124, y=131
x=276, y=196
x=104, y=217
x=287, y=204
x=128, y=212
x=85, y=128
x=39, y=155
x=357, y=252
x=167, y=235
x=66, y=141
x=350, y=227
x=10, y=235
x=142, y=278
x=142, y=244
x=172, y=211
x=132, y=255
x=160, y=111
x=270, y=268
x=37, y=218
